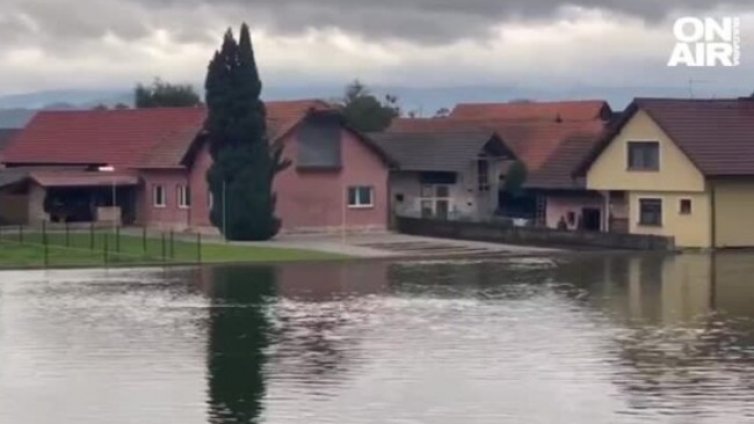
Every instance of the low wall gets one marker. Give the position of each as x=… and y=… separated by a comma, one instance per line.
x=502, y=233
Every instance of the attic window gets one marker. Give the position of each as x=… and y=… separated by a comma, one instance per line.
x=643, y=156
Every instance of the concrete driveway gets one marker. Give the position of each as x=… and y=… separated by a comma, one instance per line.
x=393, y=245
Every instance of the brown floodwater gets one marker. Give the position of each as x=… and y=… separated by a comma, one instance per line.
x=583, y=339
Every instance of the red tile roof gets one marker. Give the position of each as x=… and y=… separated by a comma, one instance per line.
x=579, y=110
x=130, y=138
x=717, y=135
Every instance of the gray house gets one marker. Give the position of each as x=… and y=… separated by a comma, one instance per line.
x=445, y=175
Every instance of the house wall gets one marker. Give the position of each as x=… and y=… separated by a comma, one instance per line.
x=734, y=202
x=313, y=200
x=678, y=178
x=37, y=212
x=200, y=196
x=14, y=208
x=170, y=217
x=677, y=172
x=559, y=205
x=693, y=230
x=466, y=201
x=316, y=200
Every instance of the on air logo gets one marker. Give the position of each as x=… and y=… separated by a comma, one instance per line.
x=706, y=42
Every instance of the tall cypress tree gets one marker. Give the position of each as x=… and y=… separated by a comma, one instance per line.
x=244, y=163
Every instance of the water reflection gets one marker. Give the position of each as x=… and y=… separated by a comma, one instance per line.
x=238, y=334
x=587, y=338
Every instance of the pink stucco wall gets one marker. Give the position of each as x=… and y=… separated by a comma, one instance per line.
x=559, y=206
x=309, y=200
x=171, y=216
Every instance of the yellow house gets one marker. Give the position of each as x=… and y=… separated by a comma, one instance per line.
x=679, y=168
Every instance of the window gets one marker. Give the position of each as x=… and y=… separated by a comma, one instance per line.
x=435, y=201
x=483, y=174
x=184, y=197
x=158, y=196
x=360, y=197
x=650, y=212
x=399, y=197
x=685, y=207
x=644, y=156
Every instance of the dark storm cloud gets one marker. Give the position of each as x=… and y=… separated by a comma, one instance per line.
x=422, y=21
x=431, y=20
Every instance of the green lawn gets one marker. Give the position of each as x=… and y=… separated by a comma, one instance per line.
x=80, y=249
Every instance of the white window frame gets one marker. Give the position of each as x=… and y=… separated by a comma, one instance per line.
x=161, y=200
x=360, y=204
x=184, y=196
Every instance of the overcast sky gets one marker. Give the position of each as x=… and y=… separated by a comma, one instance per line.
x=54, y=44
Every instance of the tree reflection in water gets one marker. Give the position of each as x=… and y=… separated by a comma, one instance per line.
x=238, y=337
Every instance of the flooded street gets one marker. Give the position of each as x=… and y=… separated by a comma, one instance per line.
x=581, y=339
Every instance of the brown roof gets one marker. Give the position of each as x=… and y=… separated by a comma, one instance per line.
x=439, y=151
x=579, y=110
x=716, y=135
x=129, y=138
x=551, y=150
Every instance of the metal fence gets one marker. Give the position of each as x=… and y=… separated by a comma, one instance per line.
x=51, y=245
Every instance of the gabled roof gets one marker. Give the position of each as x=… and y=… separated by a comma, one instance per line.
x=716, y=135
x=446, y=151
x=121, y=138
x=578, y=110
x=551, y=150
x=130, y=138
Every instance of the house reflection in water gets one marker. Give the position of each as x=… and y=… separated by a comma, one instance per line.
x=666, y=290
x=686, y=326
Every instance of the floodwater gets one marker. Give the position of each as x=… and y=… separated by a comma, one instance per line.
x=588, y=339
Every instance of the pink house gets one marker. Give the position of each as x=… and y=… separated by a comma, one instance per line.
x=148, y=167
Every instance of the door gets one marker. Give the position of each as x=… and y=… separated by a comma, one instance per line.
x=442, y=208
x=591, y=219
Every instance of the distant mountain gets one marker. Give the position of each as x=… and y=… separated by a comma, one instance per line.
x=423, y=101
x=65, y=99
x=15, y=118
